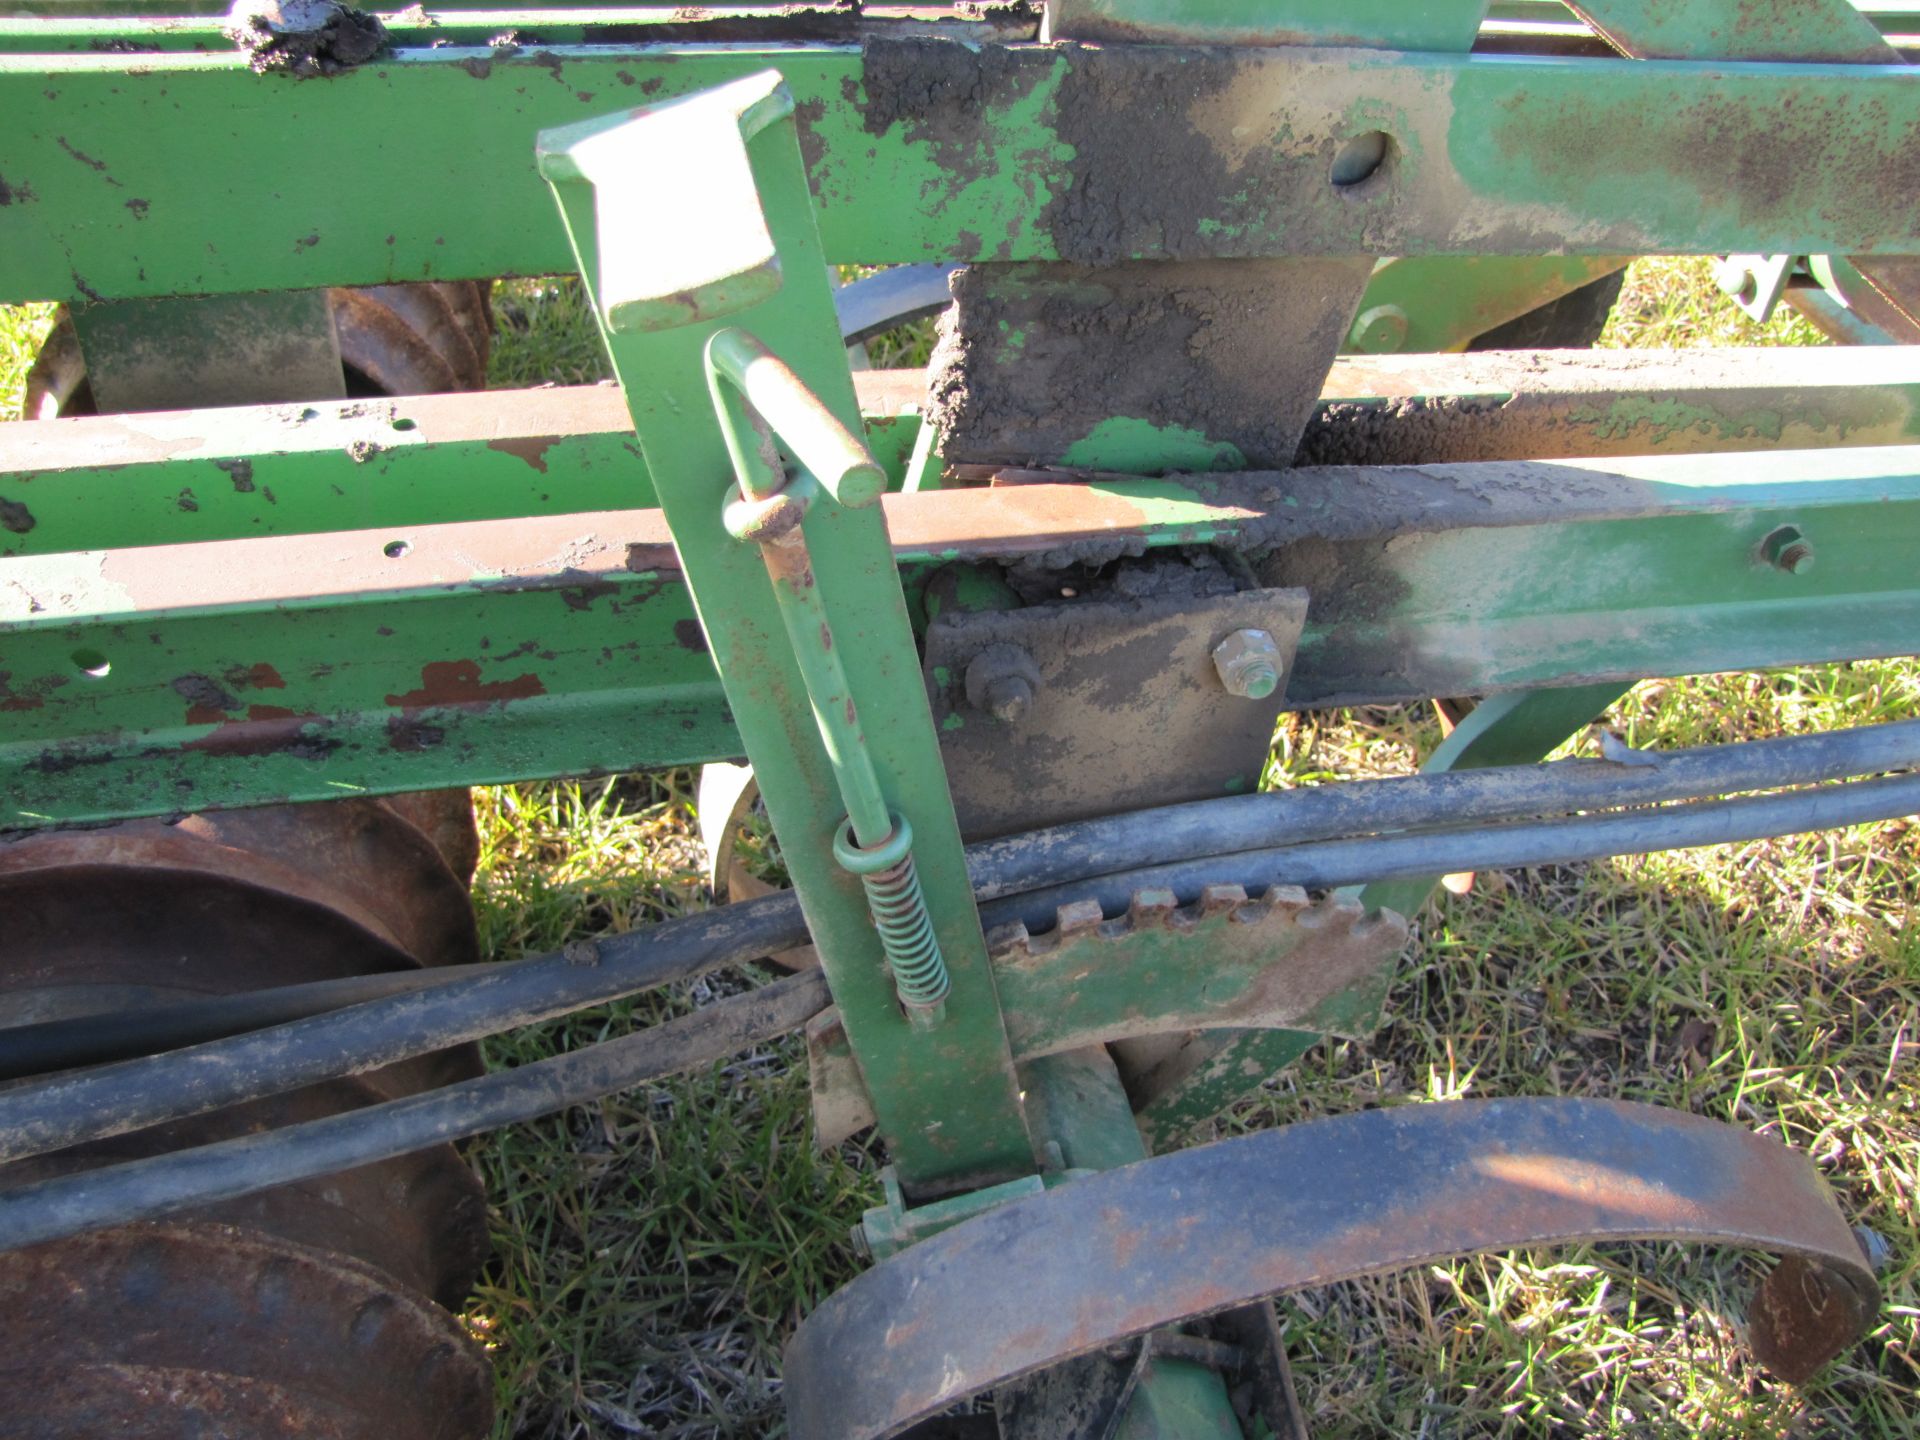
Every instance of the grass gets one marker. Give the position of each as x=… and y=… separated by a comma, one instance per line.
x=653, y=1251
x=22, y=329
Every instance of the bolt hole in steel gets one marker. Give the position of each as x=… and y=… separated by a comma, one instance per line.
x=92, y=664
x=1360, y=160
x=395, y=549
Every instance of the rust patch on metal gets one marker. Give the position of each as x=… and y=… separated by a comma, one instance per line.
x=258, y=676
x=530, y=448
x=11, y=699
x=268, y=730
x=1804, y=1315
x=582, y=596
x=689, y=636
x=207, y=702
x=409, y=735
x=240, y=471
x=16, y=517
x=85, y=159
x=458, y=682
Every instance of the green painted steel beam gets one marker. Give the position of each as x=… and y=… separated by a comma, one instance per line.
x=165, y=28
x=181, y=477
x=501, y=650
x=1487, y=155
x=192, y=476
x=360, y=689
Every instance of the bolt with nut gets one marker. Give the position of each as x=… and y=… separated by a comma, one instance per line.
x=1787, y=549
x=1249, y=664
x=1003, y=681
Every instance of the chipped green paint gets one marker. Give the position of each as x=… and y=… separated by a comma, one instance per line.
x=1125, y=443
x=1667, y=584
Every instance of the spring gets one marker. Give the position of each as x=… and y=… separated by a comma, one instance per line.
x=906, y=933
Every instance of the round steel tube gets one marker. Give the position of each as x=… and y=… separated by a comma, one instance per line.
x=1330, y=863
x=1362, y=807
x=182, y=1179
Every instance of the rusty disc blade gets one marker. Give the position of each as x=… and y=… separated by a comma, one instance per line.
x=1207, y=1229
x=327, y=1334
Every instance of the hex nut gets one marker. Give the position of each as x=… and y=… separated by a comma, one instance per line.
x=1249, y=664
x=1002, y=681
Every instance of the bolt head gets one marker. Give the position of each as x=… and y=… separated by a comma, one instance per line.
x=1381, y=330
x=1787, y=549
x=1009, y=697
x=1249, y=664
x=1002, y=681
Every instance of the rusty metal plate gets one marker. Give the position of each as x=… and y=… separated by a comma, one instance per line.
x=1127, y=708
x=1278, y=961
x=1218, y=1226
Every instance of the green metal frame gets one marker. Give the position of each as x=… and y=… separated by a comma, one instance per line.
x=380, y=660
x=946, y=1099
x=290, y=604
x=104, y=204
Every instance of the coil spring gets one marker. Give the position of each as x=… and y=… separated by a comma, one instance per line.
x=906, y=933
x=900, y=914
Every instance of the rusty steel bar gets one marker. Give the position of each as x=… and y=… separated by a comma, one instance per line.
x=98, y=483
x=182, y=1179
x=1200, y=1231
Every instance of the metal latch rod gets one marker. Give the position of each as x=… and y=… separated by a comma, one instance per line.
x=759, y=398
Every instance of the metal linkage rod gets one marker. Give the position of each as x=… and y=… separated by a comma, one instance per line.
x=1026, y=878
x=1330, y=863
x=1362, y=807
x=115, y=1099
x=145, y=1189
